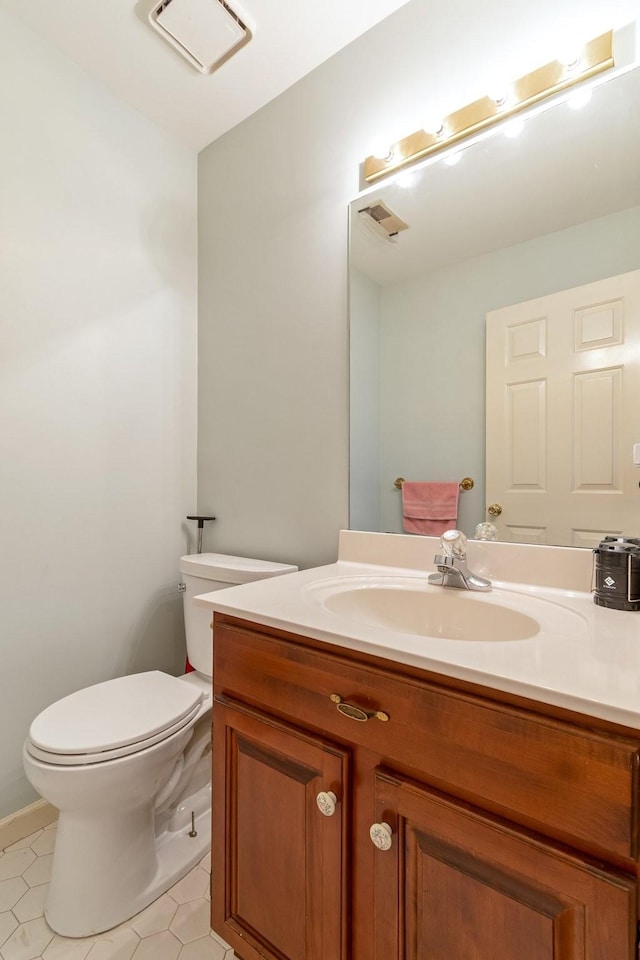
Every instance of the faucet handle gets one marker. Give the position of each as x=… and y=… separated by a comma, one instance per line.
x=453, y=543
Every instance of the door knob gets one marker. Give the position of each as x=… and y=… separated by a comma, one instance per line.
x=381, y=836
x=326, y=801
x=494, y=510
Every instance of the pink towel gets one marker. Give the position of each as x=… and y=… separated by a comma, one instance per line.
x=429, y=508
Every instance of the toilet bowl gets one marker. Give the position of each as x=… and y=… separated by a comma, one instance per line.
x=127, y=763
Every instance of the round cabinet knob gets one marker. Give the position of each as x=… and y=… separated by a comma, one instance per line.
x=380, y=834
x=494, y=510
x=326, y=801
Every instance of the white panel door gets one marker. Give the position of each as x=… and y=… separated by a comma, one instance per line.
x=563, y=412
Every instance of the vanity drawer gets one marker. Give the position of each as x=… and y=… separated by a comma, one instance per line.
x=576, y=785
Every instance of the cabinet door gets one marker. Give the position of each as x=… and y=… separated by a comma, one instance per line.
x=458, y=885
x=278, y=863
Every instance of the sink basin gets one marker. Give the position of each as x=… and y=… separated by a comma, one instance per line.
x=412, y=606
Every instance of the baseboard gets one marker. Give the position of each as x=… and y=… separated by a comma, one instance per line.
x=24, y=822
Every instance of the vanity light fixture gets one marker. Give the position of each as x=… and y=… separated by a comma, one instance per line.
x=594, y=58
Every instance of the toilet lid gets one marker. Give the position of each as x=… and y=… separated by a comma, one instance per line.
x=114, y=718
x=82, y=759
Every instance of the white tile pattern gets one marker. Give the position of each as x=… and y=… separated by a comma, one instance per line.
x=175, y=927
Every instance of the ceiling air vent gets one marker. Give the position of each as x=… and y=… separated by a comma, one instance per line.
x=380, y=218
x=205, y=32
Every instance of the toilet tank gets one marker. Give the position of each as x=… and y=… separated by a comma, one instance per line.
x=203, y=573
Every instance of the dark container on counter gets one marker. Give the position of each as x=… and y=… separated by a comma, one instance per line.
x=617, y=573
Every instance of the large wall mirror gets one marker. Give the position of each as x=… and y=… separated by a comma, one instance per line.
x=513, y=220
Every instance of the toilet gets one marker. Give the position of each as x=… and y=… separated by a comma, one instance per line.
x=127, y=763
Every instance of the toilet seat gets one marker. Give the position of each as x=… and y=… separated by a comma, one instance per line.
x=114, y=719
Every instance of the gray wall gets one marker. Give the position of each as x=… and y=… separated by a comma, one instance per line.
x=273, y=193
x=97, y=389
x=365, y=315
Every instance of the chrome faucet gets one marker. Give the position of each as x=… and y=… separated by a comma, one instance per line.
x=452, y=564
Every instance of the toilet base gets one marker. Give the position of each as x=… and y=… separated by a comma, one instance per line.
x=175, y=854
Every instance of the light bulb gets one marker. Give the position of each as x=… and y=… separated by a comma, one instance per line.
x=579, y=99
x=514, y=128
x=381, y=148
x=434, y=126
x=406, y=179
x=570, y=56
x=382, y=152
x=499, y=96
x=451, y=159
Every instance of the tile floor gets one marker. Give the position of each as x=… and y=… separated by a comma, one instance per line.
x=175, y=927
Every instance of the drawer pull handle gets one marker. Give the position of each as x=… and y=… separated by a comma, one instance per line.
x=326, y=801
x=357, y=713
x=381, y=836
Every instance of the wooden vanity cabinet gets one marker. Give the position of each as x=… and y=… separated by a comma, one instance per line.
x=511, y=828
x=283, y=865
x=459, y=885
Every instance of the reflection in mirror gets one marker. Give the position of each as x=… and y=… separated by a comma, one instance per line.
x=562, y=396
x=513, y=220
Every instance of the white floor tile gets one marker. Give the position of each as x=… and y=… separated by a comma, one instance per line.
x=8, y=924
x=31, y=904
x=39, y=871
x=62, y=948
x=161, y=946
x=191, y=921
x=14, y=864
x=223, y=945
x=118, y=944
x=156, y=917
x=204, y=949
x=28, y=941
x=44, y=844
x=11, y=891
x=192, y=887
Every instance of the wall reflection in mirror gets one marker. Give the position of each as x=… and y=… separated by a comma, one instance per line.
x=513, y=220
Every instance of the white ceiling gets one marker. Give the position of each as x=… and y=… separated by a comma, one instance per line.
x=111, y=39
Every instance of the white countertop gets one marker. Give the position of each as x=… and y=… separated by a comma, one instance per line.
x=584, y=657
